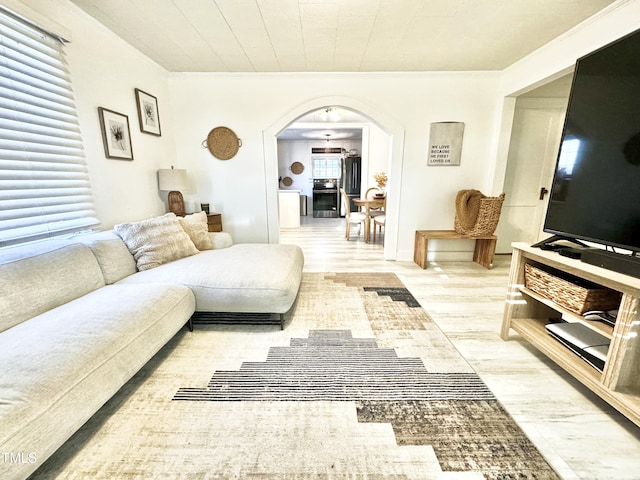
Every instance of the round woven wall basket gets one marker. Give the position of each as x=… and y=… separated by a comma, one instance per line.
x=287, y=181
x=223, y=143
x=297, y=168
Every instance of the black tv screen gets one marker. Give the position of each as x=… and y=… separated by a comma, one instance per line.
x=595, y=194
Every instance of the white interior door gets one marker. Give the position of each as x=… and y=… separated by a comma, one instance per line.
x=535, y=139
x=548, y=169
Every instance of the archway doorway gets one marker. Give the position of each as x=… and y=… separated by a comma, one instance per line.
x=378, y=118
x=328, y=154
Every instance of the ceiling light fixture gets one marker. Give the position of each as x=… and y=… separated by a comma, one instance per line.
x=330, y=114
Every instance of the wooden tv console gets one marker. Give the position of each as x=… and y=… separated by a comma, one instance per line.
x=527, y=313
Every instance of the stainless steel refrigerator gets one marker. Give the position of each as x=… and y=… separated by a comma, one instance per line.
x=350, y=181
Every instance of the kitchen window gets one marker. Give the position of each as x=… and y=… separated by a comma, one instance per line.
x=327, y=167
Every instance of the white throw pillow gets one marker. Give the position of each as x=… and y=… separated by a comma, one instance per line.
x=156, y=241
x=196, y=227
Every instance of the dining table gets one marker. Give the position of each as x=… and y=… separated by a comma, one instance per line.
x=368, y=204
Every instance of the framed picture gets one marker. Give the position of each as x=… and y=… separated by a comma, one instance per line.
x=116, y=135
x=445, y=143
x=148, y=114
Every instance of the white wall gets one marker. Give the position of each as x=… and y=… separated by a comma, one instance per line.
x=250, y=103
x=290, y=151
x=104, y=72
x=376, y=149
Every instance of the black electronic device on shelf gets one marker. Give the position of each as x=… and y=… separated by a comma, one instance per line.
x=595, y=195
x=585, y=342
x=570, y=252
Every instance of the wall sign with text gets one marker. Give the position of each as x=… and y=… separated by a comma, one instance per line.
x=445, y=143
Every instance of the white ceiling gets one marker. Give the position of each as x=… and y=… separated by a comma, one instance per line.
x=338, y=35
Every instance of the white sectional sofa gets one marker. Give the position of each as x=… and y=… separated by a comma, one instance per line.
x=79, y=318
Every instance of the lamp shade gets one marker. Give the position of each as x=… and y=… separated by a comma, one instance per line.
x=172, y=179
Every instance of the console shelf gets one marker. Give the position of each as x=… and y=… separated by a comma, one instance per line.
x=600, y=327
x=527, y=313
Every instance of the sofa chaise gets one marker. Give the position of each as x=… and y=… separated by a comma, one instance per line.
x=79, y=318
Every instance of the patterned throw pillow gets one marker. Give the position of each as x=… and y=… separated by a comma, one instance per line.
x=196, y=227
x=156, y=241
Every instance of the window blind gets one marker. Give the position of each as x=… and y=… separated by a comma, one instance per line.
x=44, y=180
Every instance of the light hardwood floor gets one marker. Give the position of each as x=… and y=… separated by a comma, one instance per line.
x=579, y=434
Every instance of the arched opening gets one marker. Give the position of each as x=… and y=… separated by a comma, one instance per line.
x=380, y=119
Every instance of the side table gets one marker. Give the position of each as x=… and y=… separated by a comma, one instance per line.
x=214, y=222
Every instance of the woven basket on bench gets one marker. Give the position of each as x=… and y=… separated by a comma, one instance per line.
x=477, y=214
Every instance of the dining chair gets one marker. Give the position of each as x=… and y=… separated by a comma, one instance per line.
x=351, y=217
x=369, y=195
x=378, y=221
x=371, y=192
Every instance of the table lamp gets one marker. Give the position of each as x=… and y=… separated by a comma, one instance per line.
x=173, y=181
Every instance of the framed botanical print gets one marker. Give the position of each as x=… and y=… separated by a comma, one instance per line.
x=148, y=114
x=116, y=135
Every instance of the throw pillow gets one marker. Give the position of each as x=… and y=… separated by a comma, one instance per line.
x=114, y=259
x=156, y=241
x=196, y=227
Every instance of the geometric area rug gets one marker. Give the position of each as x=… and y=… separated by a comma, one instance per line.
x=455, y=413
x=361, y=384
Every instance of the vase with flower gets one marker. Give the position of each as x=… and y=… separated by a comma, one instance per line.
x=381, y=181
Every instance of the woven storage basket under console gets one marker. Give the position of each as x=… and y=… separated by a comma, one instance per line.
x=575, y=294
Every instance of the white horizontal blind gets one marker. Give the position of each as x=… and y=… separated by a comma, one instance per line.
x=44, y=181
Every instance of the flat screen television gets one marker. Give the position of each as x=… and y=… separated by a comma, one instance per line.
x=595, y=195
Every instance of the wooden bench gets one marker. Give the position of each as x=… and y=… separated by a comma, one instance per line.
x=483, y=254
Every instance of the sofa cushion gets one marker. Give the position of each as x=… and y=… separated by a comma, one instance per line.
x=114, y=258
x=252, y=278
x=33, y=285
x=63, y=365
x=220, y=239
x=198, y=230
x=156, y=241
